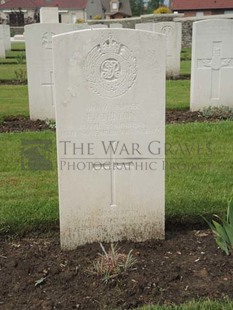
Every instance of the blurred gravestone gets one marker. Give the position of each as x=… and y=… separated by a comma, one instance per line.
x=49, y=15
x=173, y=33
x=212, y=64
x=40, y=67
x=2, y=43
x=7, y=37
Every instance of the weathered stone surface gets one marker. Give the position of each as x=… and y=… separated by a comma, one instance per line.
x=110, y=112
x=212, y=64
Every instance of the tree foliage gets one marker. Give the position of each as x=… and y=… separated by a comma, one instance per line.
x=153, y=5
x=137, y=7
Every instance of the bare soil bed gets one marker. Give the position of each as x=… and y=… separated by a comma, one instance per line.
x=18, y=124
x=187, y=265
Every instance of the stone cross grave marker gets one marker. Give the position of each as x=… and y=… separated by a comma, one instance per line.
x=40, y=67
x=110, y=113
x=212, y=64
x=172, y=31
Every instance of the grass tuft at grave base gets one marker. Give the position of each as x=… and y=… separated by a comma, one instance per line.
x=199, y=165
x=195, y=305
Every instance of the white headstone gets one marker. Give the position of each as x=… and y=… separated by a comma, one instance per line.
x=49, y=15
x=7, y=37
x=95, y=26
x=173, y=32
x=40, y=67
x=2, y=43
x=212, y=64
x=110, y=92
x=19, y=38
x=115, y=25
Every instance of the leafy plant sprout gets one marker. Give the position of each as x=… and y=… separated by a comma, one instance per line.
x=111, y=264
x=223, y=229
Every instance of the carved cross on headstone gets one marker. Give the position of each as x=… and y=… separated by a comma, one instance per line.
x=49, y=87
x=113, y=165
x=216, y=63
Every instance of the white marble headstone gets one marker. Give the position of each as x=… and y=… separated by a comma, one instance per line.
x=212, y=64
x=95, y=26
x=110, y=113
x=2, y=43
x=19, y=38
x=115, y=25
x=49, y=15
x=173, y=33
x=7, y=37
x=40, y=67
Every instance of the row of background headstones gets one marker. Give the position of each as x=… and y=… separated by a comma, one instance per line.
x=83, y=196
x=5, y=40
x=115, y=205
x=208, y=73
x=40, y=63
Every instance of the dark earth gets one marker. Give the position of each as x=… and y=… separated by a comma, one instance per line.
x=18, y=124
x=186, y=266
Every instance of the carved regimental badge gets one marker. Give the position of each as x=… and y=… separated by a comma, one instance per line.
x=167, y=30
x=110, y=68
x=47, y=40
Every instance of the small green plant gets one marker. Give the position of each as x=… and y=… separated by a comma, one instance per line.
x=21, y=75
x=221, y=112
x=20, y=59
x=223, y=229
x=162, y=10
x=50, y=123
x=112, y=263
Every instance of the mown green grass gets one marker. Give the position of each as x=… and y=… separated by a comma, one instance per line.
x=198, y=181
x=8, y=71
x=186, y=53
x=13, y=100
x=199, y=165
x=185, y=67
x=15, y=53
x=15, y=46
x=196, y=305
x=29, y=199
x=177, y=94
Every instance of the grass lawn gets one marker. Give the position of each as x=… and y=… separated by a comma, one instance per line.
x=177, y=94
x=17, y=46
x=13, y=100
x=9, y=72
x=186, y=53
x=198, y=177
x=185, y=67
x=199, y=165
x=28, y=198
x=196, y=305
